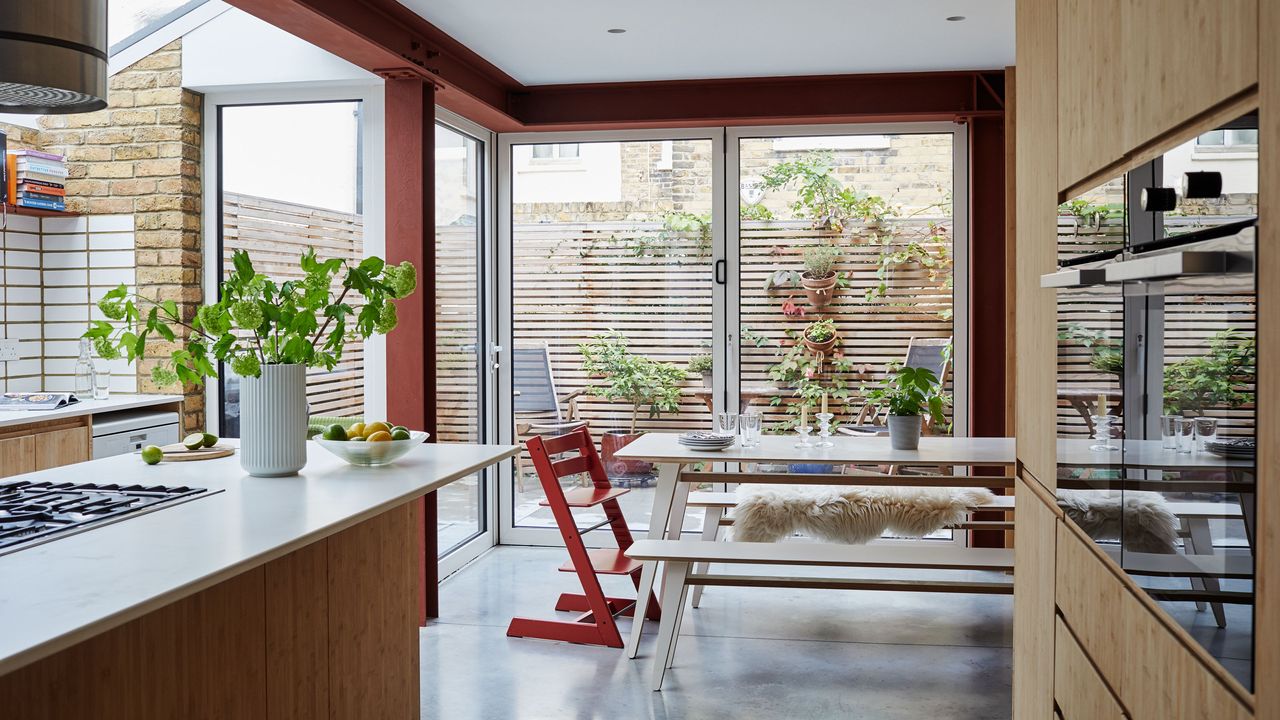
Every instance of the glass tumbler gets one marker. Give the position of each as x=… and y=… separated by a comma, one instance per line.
x=1186, y=435
x=1206, y=431
x=727, y=423
x=1169, y=431
x=101, y=384
x=750, y=423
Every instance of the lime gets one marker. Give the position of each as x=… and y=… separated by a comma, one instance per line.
x=194, y=441
x=152, y=454
x=335, y=432
x=394, y=428
x=399, y=434
x=356, y=438
x=210, y=439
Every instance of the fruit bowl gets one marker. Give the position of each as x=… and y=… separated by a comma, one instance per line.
x=372, y=454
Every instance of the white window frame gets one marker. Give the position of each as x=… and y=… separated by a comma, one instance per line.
x=372, y=117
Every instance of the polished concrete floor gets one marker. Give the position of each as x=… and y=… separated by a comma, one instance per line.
x=747, y=653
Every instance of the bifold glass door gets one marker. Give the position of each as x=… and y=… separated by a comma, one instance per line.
x=652, y=279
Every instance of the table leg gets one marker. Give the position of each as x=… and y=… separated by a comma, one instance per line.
x=663, y=496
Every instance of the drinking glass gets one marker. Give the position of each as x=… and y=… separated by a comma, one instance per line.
x=750, y=423
x=101, y=384
x=1169, y=431
x=727, y=423
x=1206, y=431
x=1186, y=435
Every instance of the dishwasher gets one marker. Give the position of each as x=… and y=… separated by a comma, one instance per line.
x=120, y=433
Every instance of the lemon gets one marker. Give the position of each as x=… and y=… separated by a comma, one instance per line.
x=399, y=434
x=194, y=441
x=375, y=427
x=380, y=436
x=356, y=430
x=152, y=454
x=356, y=438
x=335, y=432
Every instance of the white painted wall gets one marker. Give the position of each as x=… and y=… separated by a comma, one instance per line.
x=595, y=176
x=1239, y=170
x=238, y=51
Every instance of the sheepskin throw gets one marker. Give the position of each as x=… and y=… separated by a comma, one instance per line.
x=1149, y=525
x=769, y=513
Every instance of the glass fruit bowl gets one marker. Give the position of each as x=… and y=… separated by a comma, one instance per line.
x=372, y=454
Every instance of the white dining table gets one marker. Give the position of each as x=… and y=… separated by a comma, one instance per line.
x=672, y=490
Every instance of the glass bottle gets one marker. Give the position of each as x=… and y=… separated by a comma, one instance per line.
x=84, y=372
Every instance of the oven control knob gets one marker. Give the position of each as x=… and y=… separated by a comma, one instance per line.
x=1202, y=184
x=1159, y=199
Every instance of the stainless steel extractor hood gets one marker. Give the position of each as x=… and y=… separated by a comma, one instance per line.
x=53, y=56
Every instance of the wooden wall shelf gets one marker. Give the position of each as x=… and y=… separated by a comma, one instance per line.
x=37, y=212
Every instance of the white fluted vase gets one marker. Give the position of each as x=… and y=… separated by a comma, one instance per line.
x=273, y=421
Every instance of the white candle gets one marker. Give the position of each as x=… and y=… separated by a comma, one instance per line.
x=824, y=403
x=1102, y=404
x=804, y=415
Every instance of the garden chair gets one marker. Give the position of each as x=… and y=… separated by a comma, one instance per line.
x=537, y=404
x=928, y=353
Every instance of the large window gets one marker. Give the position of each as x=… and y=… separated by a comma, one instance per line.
x=650, y=250
x=289, y=181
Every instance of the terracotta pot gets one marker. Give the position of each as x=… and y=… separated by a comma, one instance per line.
x=820, y=347
x=820, y=291
x=611, y=442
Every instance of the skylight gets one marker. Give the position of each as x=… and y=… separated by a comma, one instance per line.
x=131, y=20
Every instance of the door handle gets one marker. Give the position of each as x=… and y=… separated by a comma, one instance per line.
x=719, y=271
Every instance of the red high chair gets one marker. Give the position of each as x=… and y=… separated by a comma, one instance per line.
x=596, y=625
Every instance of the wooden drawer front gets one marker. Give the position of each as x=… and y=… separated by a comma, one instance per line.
x=62, y=447
x=1089, y=597
x=1078, y=690
x=17, y=456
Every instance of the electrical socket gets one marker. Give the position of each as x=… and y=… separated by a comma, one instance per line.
x=8, y=349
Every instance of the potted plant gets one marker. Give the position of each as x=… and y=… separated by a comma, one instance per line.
x=702, y=365
x=908, y=392
x=819, y=279
x=634, y=379
x=269, y=333
x=820, y=336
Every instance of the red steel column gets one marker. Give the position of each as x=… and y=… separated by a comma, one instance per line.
x=410, y=235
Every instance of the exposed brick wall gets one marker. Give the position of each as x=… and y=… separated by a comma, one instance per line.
x=141, y=155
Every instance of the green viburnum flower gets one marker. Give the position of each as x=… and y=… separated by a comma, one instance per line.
x=402, y=278
x=246, y=314
x=163, y=376
x=386, y=318
x=113, y=309
x=246, y=365
x=106, y=349
x=213, y=321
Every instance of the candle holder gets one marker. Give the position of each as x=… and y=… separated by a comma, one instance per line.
x=824, y=430
x=804, y=441
x=1102, y=433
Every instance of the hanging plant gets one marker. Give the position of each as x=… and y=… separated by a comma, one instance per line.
x=821, y=197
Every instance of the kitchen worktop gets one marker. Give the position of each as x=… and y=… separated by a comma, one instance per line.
x=10, y=418
x=62, y=592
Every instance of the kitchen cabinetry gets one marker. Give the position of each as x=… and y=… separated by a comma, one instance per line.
x=40, y=446
x=1131, y=72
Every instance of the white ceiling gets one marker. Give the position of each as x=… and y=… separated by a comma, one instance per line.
x=541, y=42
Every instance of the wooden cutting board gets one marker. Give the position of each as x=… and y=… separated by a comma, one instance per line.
x=178, y=452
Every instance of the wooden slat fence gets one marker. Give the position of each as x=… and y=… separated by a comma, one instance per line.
x=575, y=280
x=276, y=234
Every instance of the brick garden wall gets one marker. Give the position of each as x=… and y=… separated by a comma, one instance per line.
x=141, y=155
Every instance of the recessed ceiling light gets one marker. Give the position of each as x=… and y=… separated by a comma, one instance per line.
x=953, y=18
x=617, y=31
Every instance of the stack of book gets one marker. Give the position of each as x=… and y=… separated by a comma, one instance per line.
x=37, y=179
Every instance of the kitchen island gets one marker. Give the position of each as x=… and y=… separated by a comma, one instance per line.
x=267, y=598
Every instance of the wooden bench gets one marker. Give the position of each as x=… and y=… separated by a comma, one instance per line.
x=717, y=504
x=680, y=555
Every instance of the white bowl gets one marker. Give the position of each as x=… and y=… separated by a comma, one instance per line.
x=371, y=454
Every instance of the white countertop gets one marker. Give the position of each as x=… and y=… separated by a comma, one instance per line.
x=113, y=403
x=665, y=448
x=72, y=588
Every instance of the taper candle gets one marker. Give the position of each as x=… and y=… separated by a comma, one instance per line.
x=824, y=403
x=804, y=415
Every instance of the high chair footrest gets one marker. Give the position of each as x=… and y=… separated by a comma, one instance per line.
x=607, y=561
